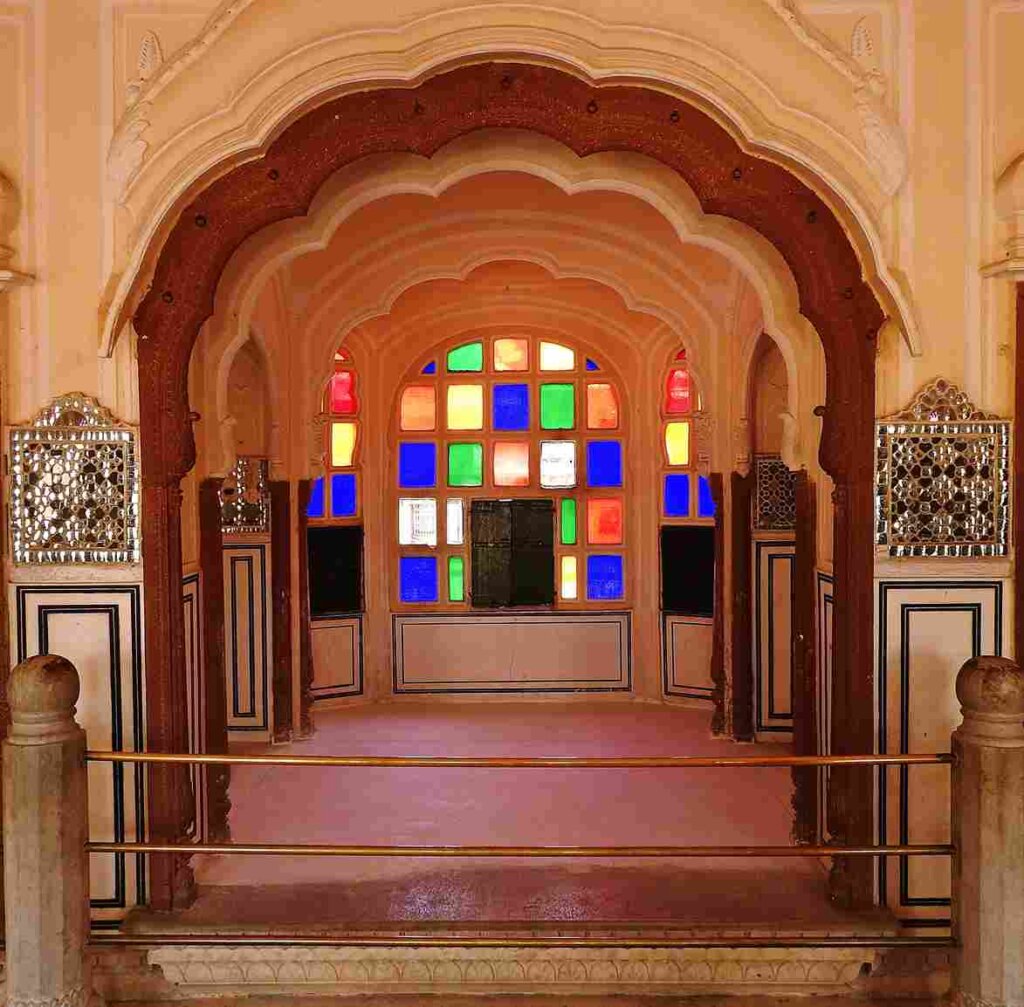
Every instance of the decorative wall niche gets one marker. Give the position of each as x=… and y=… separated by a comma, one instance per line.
x=775, y=494
x=74, y=486
x=245, y=498
x=942, y=477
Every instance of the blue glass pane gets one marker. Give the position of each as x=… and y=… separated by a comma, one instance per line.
x=417, y=578
x=417, y=465
x=677, y=495
x=343, y=494
x=591, y=366
x=511, y=407
x=705, y=501
x=430, y=368
x=604, y=578
x=315, y=508
x=604, y=463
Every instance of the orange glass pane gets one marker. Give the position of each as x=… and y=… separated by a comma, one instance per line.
x=511, y=463
x=602, y=408
x=465, y=407
x=419, y=408
x=343, y=444
x=678, y=394
x=604, y=521
x=511, y=355
x=342, y=396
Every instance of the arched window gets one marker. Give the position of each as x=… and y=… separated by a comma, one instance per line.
x=509, y=479
x=335, y=498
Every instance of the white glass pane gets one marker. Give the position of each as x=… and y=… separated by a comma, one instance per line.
x=555, y=357
x=417, y=521
x=557, y=464
x=569, y=589
x=454, y=521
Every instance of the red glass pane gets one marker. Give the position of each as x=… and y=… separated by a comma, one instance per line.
x=342, y=396
x=678, y=392
x=340, y=354
x=604, y=522
x=681, y=355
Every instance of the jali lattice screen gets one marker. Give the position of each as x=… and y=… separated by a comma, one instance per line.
x=942, y=478
x=245, y=498
x=774, y=494
x=74, y=486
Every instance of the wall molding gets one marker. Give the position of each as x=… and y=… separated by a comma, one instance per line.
x=672, y=687
x=767, y=554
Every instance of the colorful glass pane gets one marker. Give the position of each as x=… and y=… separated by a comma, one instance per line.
x=604, y=521
x=315, y=507
x=418, y=410
x=591, y=366
x=557, y=465
x=456, y=578
x=417, y=578
x=511, y=463
x=677, y=443
x=567, y=521
x=511, y=355
x=681, y=355
x=555, y=357
x=343, y=444
x=343, y=401
x=605, y=581
x=511, y=407
x=465, y=464
x=430, y=368
x=343, y=494
x=705, y=501
x=468, y=357
x=604, y=463
x=417, y=465
x=557, y=407
x=602, y=407
x=465, y=407
x=678, y=393
x=340, y=354
x=677, y=495
x=569, y=588
x=417, y=521
x=454, y=521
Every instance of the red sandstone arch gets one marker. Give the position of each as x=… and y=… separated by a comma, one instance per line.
x=588, y=119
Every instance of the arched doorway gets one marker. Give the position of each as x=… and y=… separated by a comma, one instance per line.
x=727, y=181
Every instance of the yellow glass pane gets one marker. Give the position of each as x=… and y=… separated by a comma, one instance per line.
x=419, y=408
x=343, y=444
x=511, y=355
x=602, y=408
x=569, y=588
x=511, y=463
x=677, y=443
x=555, y=357
x=465, y=407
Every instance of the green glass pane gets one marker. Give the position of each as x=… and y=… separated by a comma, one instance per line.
x=567, y=524
x=465, y=465
x=468, y=357
x=456, y=579
x=557, y=407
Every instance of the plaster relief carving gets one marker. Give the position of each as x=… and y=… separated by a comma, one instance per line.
x=127, y=150
x=862, y=45
x=1010, y=207
x=150, y=59
x=10, y=209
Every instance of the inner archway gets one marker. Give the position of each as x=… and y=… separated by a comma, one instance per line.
x=727, y=181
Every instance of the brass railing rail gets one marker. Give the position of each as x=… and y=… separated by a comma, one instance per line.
x=554, y=762
x=330, y=850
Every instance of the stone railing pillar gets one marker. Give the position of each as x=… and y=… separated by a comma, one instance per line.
x=45, y=820
x=988, y=835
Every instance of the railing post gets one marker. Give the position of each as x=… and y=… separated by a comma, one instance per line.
x=45, y=831
x=988, y=835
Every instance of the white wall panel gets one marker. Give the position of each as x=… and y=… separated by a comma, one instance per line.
x=337, y=650
x=773, y=638
x=687, y=656
x=247, y=639
x=99, y=629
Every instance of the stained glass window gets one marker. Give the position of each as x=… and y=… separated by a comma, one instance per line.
x=343, y=444
x=677, y=443
x=677, y=494
x=509, y=423
x=335, y=498
x=315, y=507
x=343, y=400
x=343, y=494
x=705, y=501
x=677, y=392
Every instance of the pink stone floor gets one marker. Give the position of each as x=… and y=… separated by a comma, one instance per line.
x=512, y=807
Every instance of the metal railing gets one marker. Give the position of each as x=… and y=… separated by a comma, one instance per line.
x=553, y=852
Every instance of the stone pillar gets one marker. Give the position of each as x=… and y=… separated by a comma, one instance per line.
x=988, y=835
x=45, y=817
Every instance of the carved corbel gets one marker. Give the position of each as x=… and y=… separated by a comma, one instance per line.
x=315, y=461
x=1010, y=207
x=704, y=432
x=741, y=447
x=10, y=208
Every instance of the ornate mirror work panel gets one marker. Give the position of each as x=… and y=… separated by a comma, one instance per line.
x=245, y=498
x=74, y=486
x=774, y=495
x=942, y=479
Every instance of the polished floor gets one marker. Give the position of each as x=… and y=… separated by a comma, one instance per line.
x=513, y=807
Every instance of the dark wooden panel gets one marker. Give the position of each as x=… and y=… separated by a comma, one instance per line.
x=281, y=590
x=742, y=658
